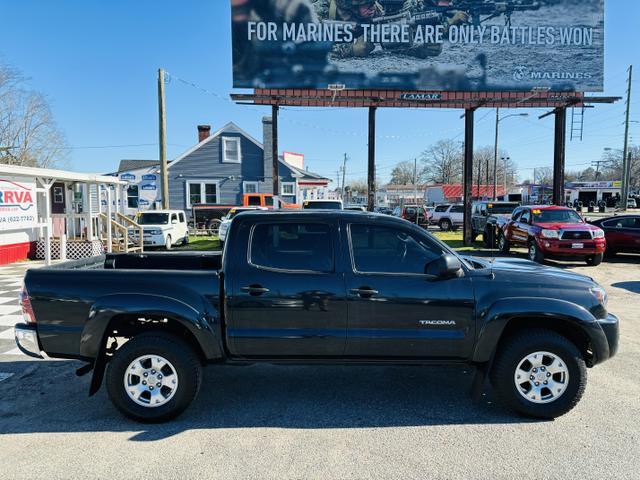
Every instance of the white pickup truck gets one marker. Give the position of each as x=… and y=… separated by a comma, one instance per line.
x=163, y=228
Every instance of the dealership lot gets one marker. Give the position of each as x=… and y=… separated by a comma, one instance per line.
x=328, y=422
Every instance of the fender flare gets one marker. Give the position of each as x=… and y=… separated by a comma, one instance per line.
x=196, y=317
x=495, y=319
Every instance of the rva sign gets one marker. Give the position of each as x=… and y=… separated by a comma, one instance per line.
x=18, y=207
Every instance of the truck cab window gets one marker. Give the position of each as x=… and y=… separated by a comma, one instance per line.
x=377, y=249
x=292, y=246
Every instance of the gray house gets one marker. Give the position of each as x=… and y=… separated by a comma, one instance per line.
x=229, y=163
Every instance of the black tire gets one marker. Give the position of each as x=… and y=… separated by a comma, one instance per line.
x=474, y=236
x=527, y=342
x=534, y=253
x=168, y=243
x=595, y=260
x=185, y=240
x=445, y=224
x=181, y=356
x=488, y=238
x=503, y=243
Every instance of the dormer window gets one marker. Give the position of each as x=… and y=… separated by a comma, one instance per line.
x=231, y=150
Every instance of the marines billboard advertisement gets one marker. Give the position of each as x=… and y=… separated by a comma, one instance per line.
x=442, y=45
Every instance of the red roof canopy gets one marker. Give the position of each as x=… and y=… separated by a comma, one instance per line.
x=455, y=190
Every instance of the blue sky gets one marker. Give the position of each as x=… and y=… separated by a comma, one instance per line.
x=97, y=61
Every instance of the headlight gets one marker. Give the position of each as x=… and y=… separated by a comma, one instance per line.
x=153, y=232
x=600, y=294
x=598, y=233
x=549, y=234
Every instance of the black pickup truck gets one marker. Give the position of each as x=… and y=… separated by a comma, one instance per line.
x=319, y=287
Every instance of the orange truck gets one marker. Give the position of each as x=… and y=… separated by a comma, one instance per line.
x=208, y=216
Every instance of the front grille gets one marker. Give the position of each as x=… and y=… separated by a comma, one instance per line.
x=576, y=235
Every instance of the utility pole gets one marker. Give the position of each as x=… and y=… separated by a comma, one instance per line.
x=344, y=172
x=164, y=179
x=626, y=161
x=415, y=187
x=495, y=155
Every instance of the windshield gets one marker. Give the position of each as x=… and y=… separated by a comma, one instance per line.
x=556, y=216
x=323, y=205
x=501, y=208
x=153, y=219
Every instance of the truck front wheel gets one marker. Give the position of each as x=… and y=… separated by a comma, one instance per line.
x=539, y=373
x=534, y=253
x=153, y=377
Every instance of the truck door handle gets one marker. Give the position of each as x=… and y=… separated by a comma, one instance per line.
x=364, y=291
x=255, y=290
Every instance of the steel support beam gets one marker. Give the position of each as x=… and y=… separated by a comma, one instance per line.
x=467, y=180
x=559, y=155
x=274, y=155
x=371, y=168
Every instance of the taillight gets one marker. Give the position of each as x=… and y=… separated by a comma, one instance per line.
x=27, y=309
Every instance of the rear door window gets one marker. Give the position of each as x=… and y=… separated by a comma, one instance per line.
x=305, y=247
x=457, y=209
x=442, y=208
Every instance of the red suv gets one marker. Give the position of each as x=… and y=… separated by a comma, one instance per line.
x=550, y=231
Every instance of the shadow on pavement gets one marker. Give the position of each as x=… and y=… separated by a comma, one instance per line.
x=48, y=397
x=633, y=287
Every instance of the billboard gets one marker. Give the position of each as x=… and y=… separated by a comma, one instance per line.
x=442, y=45
x=18, y=207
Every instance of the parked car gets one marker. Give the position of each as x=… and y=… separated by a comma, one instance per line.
x=313, y=286
x=409, y=212
x=448, y=217
x=383, y=210
x=226, y=221
x=622, y=233
x=357, y=208
x=322, y=205
x=163, y=228
x=552, y=231
x=484, y=219
x=631, y=203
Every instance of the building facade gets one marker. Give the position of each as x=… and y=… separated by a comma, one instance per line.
x=226, y=164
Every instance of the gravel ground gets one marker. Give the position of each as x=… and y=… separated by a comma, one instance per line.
x=331, y=422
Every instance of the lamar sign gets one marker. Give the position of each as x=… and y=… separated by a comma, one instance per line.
x=441, y=45
x=18, y=207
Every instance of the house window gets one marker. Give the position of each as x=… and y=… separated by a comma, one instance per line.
x=132, y=196
x=231, y=150
x=202, y=193
x=58, y=195
x=250, y=187
x=288, y=188
x=195, y=193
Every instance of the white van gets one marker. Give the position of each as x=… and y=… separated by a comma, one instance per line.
x=164, y=228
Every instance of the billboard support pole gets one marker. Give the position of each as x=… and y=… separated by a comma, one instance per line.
x=371, y=170
x=274, y=155
x=559, y=155
x=468, y=174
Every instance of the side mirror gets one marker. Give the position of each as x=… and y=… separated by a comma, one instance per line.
x=447, y=266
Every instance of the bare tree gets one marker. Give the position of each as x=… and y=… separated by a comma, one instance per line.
x=543, y=175
x=613, y=171
x=442, y=162
x=28, y=134
x=402, y=174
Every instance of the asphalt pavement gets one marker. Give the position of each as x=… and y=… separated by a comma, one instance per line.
x=324, y=422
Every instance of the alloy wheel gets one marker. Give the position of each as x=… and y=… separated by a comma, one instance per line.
x=151, y=381
x=541, y=377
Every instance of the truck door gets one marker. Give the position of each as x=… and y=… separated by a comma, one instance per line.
x=287, y=299
x=395, y=310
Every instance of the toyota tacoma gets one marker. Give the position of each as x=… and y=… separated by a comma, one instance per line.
x=332, y=287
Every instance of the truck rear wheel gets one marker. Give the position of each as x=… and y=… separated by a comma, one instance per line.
x=503, y=244
x=153, y=377
x=539, y=373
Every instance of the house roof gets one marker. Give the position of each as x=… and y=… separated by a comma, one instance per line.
x=232, y=127
x=127, y=165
